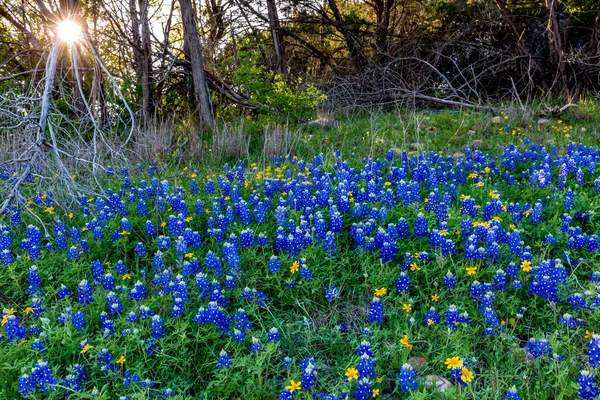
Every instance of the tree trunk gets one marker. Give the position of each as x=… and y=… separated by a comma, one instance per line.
x=595, y=37
x=383, y=9
x=140, y=43
x=555, y=44
x=190, y=33
x=356, y=53
x=147, y=92
x=276, y=34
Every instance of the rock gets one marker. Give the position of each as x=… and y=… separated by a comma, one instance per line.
x=544, y=121
x=496, y=120
x=471, y=132
x=417, y=146
x=476, y=127
x=418, y=363
x=438, y=383
x=583, y=130
x=397, y=151
x=477, y=144
x=422, y=126
x=324, y=123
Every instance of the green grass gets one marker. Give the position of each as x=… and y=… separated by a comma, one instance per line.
x=185, y=359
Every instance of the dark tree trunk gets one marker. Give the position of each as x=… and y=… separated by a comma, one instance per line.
x=277, y=36
x=356, y=53
x=146, y=50
x=203, y=107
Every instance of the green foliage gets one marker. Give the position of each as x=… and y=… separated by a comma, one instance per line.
x=185, y=359
x=278, y=99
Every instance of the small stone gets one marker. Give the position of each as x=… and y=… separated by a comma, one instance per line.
x=422, y=126
x=324, y=122
x=397, y=151
x=476, y=127
x=471, y=132
x=417, y=146
x=418, y=363
x=544, y=121
x=438, y=383
x=583, y=129
x=496, y=120
x=477, y=144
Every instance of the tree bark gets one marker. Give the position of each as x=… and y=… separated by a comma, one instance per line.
x=147, y=92
x=555, y=44
x=190, y=33
x=356, y=53
x=277, y=36
x=383, y=9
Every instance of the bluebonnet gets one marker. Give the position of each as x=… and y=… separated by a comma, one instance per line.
x=406, y=378
x=84, y=293
x=594, y=350
x=364, y=348
x=14, y=331
x=150, y=229
x=138, y=292
x=421, y=226
x=38, y=345
x=512, y=394
x=588, y=389
x=78, y=319
x=363, y=391
x=6, y=256
x=224, y=360
x=568, y=320
x=273, y=334
x=105, y=361
x=178, y=307
x=108, y=282
x=140, y=250
x=432, y=317
x=35, y=283
x=158, y=328
x=309, y=375
x=537, y=347
x=366, y=367
x=39, y=379
x=107, y=325
x=449, y=280
x=332, y=293
x=376, y=313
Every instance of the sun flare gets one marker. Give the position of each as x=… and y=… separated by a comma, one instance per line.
x=68, y=31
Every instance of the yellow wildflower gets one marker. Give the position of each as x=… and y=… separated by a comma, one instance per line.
x=86, y=348
x=352, y=373
x=295, y=266
x=453, y=362
x=405, y=343
x=293, y=386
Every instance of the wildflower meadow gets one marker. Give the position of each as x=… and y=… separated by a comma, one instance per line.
x=337, y=276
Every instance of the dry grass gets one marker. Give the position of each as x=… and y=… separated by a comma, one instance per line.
x=279, y=141
x=156, y=140
x=230, y=141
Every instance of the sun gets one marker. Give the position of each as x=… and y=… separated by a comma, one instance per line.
x=68, y=31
